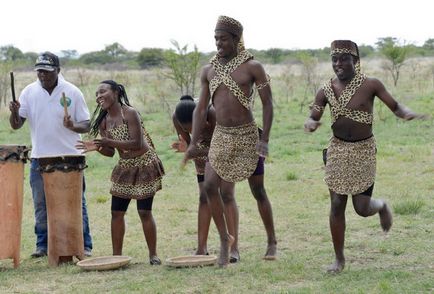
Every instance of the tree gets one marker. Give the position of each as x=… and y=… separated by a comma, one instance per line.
x=150, y=57
x=275, y=54
x=428, y=47
x=115, y=50
x=287, y=79
x=365, y=50
x=95, y=57
x=183, y=67
x=310, y=74
x=30, y=57
x=395, y=53
x=112, y=53
x=69, y=54
x=10, y=53
x=429, y=44
x=5, y=94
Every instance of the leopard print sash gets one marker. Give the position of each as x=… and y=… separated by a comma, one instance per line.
x=223, y=76
x=338, y=106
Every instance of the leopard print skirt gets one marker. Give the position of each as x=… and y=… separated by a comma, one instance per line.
x=200, y=161
x=137, y=178
x=232, y=154
x=350, y=167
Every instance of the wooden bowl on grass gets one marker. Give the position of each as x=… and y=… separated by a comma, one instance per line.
x=191, y=261
x=104, y=263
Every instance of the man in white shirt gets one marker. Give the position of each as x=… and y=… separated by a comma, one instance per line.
x=52, y=133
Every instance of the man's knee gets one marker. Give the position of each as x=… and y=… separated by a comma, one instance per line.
x=337, y=207
x=210, y=189
x=362, y=210
x=259, y=192
x=227, y=197
x=202, y=198
x=362, y=205
x=117, y=215
x=40, y=213
x=337, y=212
x=38, y=196
x=145, y=214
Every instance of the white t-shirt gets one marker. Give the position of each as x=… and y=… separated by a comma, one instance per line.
x=45, y=113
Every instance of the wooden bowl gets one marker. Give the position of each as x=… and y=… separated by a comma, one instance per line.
x=104, y=263
x=191, y=260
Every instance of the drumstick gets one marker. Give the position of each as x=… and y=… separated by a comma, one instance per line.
x=13, y=87
x=65, y=104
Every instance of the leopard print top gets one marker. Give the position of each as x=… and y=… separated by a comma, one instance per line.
x=223, y=76
x=121, y=133
x=338, y=106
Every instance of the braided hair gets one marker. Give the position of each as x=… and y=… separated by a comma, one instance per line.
x=99, y=114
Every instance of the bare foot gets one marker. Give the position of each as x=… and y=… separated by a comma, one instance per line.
x=201, y=252
x=386, y=218
x=154, y=260
x=225, y=245
x=271, y=253
x=336, y=267
x=234, y=256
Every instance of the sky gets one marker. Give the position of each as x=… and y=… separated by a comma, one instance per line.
x=90, y=25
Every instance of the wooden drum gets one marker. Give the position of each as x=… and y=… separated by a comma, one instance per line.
x=63, y=186
x=12, y=159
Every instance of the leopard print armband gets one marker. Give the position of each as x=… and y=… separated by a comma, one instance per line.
x=263, y=85
x=317, y=107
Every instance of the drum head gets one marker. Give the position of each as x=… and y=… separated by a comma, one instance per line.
x=103, y=263
x=14, y=153
x=191, y=260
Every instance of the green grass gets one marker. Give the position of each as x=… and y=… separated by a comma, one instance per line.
x=291, y=176
x=399, y=262
x=408, y=207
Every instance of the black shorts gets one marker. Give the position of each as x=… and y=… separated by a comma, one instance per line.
x=200, y=178
x=260, y=169
x=121, y=204
x=369, y=191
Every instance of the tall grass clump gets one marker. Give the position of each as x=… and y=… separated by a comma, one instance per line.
x=408, y=207
x=291, y=176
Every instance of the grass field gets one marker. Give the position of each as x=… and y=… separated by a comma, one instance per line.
x=399, y=262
